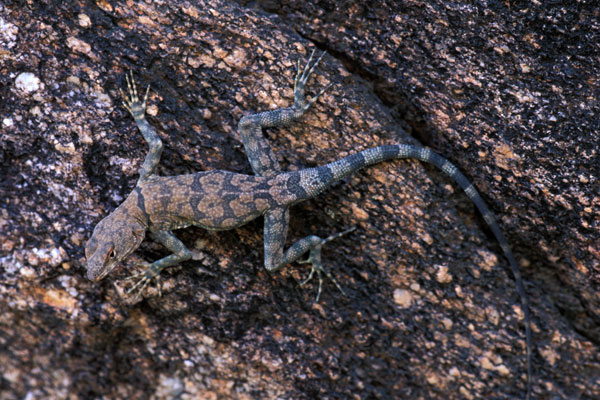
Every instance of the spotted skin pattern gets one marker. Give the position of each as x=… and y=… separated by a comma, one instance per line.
x=220, y=200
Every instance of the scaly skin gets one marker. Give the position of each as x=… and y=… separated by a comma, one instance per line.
x=219, y=200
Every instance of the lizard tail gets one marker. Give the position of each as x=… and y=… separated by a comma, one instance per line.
x=318, y=179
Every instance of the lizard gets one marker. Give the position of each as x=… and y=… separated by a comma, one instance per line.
x=221, y=200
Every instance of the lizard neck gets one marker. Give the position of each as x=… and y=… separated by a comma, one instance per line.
x=133, y=209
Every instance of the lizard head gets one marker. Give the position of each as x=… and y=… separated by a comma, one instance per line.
x=113, y=239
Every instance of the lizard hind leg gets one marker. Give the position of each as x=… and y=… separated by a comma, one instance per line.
x=262, y=158
x=275, y=230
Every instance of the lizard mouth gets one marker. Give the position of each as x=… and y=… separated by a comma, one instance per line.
x=103, y=272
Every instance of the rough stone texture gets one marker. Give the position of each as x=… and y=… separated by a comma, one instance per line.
x=509, y=92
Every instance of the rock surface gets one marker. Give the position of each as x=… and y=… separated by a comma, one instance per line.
x=507, y=92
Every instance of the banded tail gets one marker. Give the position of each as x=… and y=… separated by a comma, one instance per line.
x=316, y=180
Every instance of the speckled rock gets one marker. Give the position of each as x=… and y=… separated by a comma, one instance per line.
x=508, y=92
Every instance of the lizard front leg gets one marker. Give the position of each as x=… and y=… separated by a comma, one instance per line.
x=259, y=152
x=275, y=230
x=180, y=253
x=137, y=109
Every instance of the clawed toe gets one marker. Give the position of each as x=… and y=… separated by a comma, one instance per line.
x=302, y=76
x=318, y=268
x=131, y=101
x=144, y=278
x=314, y=258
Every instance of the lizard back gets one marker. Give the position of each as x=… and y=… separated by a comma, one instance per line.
x=215, y=200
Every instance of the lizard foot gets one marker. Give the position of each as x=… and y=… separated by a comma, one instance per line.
x=143, y=279
x=314, y=258
x=302, y=76
x=132, y=102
